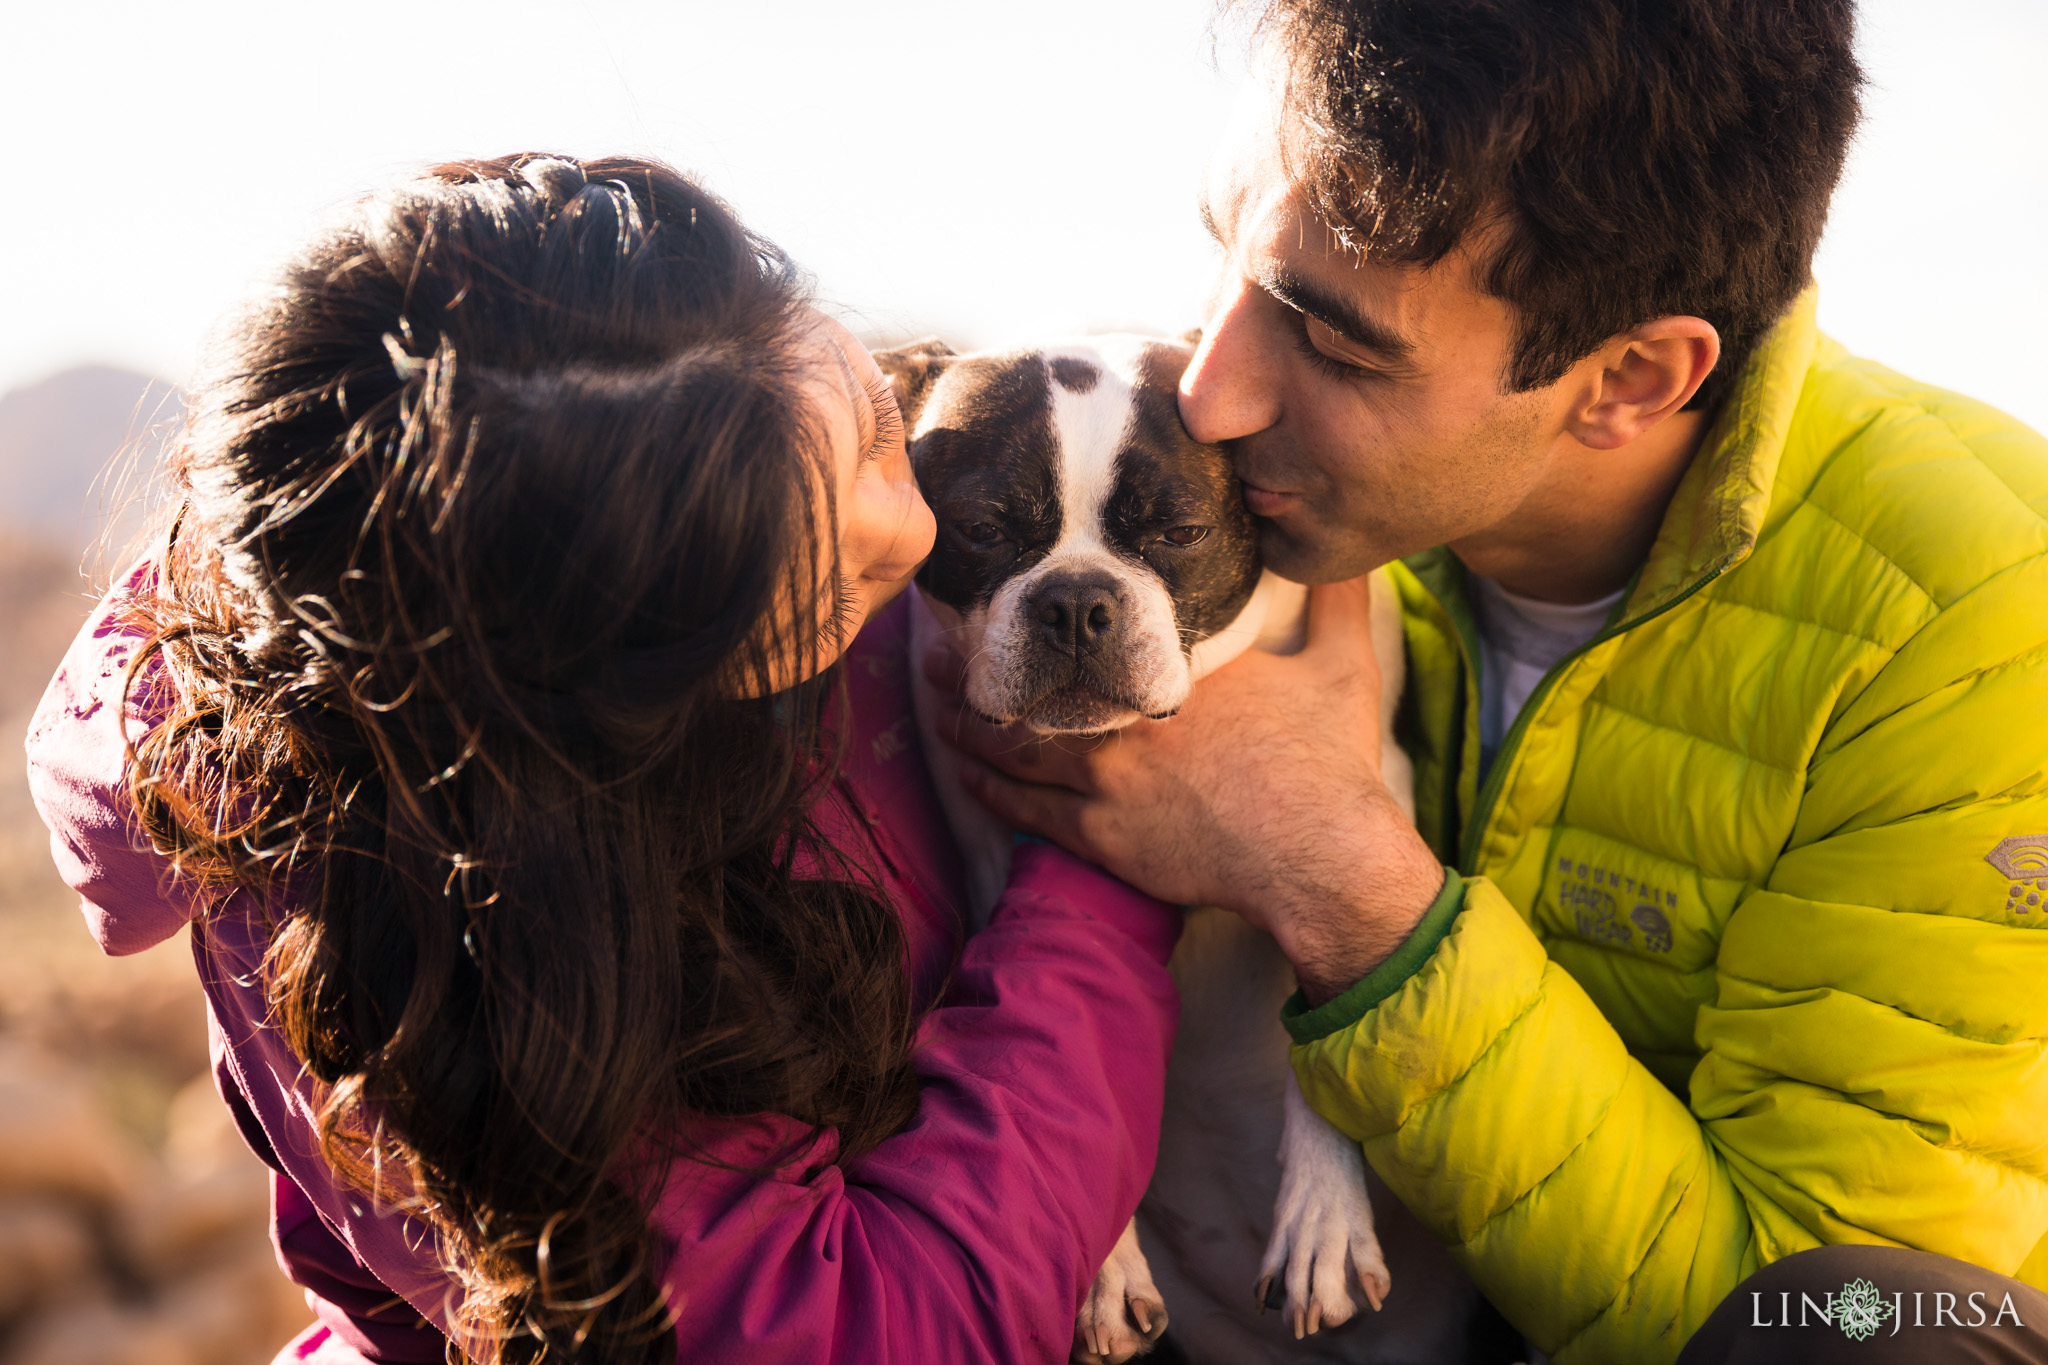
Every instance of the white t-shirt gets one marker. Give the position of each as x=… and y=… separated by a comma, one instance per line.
x=1520, y=640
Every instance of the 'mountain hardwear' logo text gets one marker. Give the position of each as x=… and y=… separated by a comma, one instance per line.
x=1604, y=904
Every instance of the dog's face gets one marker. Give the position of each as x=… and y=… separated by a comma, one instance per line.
x=1086, y=543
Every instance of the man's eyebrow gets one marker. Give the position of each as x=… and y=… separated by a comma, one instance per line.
x=1337, y=313
x=1208, y=216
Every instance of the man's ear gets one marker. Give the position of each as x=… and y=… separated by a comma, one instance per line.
x=912, y=369
x=1642, y=377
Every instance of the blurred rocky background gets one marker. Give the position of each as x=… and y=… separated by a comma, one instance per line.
x=133, y=1222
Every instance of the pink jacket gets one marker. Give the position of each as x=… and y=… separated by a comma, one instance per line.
x=969, y=1237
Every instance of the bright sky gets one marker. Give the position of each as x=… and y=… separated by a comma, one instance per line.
x=992, y=171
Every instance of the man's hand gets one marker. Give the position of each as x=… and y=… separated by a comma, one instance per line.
x=1262, y=796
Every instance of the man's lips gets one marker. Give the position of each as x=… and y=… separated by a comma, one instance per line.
x=1264, y=502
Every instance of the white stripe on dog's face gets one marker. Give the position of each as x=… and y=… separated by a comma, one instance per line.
x=1055, y=476
x=1089, y=427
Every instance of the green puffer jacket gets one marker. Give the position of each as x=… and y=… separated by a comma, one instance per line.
x=1747, y=947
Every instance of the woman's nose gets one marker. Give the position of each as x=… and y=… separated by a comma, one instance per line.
x=915, y=530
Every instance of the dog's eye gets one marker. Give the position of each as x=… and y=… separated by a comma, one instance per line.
x=1185, y=536
x=979, y=532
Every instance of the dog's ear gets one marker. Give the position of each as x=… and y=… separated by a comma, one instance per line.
x=912, y=369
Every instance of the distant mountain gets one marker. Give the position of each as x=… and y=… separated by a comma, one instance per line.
x=76, y=449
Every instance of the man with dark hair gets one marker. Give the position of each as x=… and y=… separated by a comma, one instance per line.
x=1712, y=982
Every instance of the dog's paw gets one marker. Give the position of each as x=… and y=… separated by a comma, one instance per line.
x=1317, y=1256
x=1323, y=1239
x=1123, y=1315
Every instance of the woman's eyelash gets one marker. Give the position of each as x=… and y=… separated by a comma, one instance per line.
x=839, y=625
x=888, y=417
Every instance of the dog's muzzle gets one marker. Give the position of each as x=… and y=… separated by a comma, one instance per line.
x=1089, y=658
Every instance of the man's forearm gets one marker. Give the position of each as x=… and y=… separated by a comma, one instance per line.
x=1381, y=879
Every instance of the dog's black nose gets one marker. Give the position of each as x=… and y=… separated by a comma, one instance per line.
x=1075, y=614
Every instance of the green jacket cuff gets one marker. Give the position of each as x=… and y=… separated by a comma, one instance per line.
x=1306, y=1025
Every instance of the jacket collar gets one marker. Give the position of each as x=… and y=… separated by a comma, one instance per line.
x=1718, y=509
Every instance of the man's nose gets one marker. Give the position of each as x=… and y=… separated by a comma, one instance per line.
x=1075, y=614
x=1228, y=389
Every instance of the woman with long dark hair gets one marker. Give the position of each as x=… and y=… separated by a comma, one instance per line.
x=581, y=938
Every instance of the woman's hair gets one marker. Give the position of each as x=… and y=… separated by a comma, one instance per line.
x=494, y=517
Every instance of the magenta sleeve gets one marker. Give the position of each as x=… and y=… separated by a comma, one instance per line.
x=76, y=760
x=362, y=1320
x=974, y=1234
x=357, y=1318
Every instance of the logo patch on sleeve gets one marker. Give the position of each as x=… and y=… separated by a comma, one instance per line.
x=2023, y=862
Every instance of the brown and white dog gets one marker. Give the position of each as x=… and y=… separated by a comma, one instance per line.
x=1093, y=562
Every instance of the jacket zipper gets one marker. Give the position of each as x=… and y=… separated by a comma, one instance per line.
x=1496, y=777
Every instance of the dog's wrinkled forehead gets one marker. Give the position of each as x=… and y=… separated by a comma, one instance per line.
x=1073, y=447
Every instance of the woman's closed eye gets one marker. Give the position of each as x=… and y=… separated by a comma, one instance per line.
x=888, y=416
